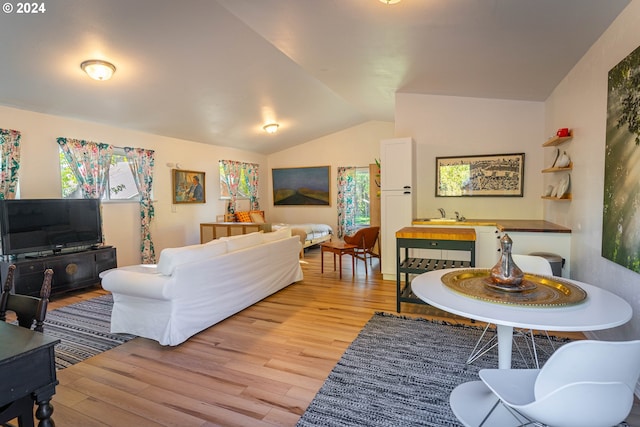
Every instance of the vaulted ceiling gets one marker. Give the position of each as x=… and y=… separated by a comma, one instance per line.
x=216, y=71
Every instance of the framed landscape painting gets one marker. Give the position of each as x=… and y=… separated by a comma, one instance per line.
x=497, y=175
x=188, y=186
x=307, y=186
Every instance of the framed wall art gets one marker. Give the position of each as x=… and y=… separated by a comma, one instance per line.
x=620, y=215
x=496, y=175
x=301, y=186
x=188, y=186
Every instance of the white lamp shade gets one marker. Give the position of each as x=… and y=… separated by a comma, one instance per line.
x=98, y=70
x=271, y=127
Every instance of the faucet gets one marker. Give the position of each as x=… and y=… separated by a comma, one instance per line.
x=443, y=214
x=460, y=217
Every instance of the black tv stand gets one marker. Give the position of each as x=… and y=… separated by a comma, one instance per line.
x=72, y=270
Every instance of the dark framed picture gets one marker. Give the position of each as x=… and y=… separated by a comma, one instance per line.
x=188, y=186
x=497, y=175
x=307, y=186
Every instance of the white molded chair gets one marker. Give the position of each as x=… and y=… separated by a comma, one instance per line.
x=583, y=384
x=528, y=264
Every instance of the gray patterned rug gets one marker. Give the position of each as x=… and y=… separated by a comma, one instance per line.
x=400, y=372
x=83, y=329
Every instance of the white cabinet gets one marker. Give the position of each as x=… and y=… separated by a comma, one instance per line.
x=397, y=197
x=396, y=213
x=396, y=164
x=487, y=246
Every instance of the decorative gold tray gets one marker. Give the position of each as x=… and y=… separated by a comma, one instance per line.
x=537, y=291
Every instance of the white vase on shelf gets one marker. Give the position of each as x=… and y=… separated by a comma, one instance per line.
x=563, y=160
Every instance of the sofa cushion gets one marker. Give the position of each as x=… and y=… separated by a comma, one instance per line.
x=170, y=258
x=282, y=233
x=243, y=216
x=216, y=247
x=235, y=243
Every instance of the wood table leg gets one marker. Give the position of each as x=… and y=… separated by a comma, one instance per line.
x=353, y=263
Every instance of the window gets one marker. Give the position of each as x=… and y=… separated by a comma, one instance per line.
x=122, y=185
x=362, y=198
x=243, y=185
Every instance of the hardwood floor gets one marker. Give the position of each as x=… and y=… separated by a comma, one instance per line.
x=260, y=367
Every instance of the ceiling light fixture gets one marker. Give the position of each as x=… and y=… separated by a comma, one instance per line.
x=271, y=127
x=390, y=1
x=98, y=70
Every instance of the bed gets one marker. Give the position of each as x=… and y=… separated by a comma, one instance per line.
x=310, y=234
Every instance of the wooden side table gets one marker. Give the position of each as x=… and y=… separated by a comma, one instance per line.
x=337, y=248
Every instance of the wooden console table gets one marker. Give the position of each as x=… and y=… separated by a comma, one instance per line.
x=440, y=239
x=28, y=373
x=71, y=270
x=214, y=230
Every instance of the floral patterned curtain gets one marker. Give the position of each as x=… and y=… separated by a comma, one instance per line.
x=232, y=170
x=251, y=172
x=141, y=163
x=346, y=200
x=9, y=162
x=90, y=163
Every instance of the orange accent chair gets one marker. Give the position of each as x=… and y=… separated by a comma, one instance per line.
x=365, y=239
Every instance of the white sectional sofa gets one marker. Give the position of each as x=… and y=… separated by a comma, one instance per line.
x=195, y=287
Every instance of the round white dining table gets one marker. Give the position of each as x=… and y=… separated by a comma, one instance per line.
x=600, y=310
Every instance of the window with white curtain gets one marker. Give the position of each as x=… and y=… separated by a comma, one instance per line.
x=122, y=186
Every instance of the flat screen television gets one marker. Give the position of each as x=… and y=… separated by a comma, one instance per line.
x=36, y=225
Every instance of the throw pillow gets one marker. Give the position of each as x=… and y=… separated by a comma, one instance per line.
x=257, y=217
x=243, y=216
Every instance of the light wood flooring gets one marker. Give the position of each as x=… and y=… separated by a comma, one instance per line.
x=260, y=367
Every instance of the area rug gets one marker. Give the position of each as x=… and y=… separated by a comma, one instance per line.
x=400, y=372
x=83, y=330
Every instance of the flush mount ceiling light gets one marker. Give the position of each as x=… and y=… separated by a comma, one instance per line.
x=98, y=70
x=389, y=1
x=271, y=127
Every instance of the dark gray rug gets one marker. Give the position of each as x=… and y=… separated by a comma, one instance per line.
x=83, y=329
x=400, y=372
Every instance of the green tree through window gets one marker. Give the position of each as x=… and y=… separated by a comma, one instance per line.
x=122, y=185
x=363, y=198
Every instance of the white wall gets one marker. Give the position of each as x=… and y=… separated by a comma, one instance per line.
x=454, y=126
x=174, y=225
x=580, y=102
x=356, y=146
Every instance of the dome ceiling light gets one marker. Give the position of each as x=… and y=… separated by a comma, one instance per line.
x=271, y=128
x=389, y=1
x=98, y=70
